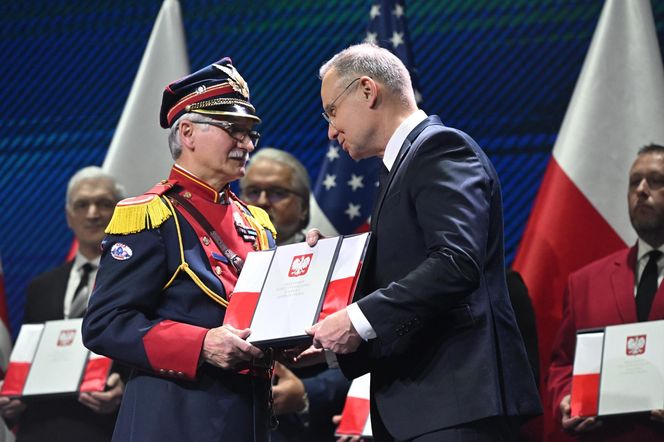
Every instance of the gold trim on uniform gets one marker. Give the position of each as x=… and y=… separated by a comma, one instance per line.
x=133, y=215
x=216, y=102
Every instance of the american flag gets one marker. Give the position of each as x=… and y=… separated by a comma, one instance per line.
x=345, y=189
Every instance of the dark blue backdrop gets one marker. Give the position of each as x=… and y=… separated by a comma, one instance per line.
x=502, y=70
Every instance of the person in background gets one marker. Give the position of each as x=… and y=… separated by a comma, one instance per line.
x=63, y=293
x=306, y=398
x=169, y=265
x=621, y=288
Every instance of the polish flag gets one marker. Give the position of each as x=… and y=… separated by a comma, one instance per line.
x=586, y=373
x=355, y=418
x=580, y=213
x=21, y=359
x=138, y=156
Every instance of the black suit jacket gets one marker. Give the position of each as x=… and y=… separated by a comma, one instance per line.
x=62, y=419
x=447, y=350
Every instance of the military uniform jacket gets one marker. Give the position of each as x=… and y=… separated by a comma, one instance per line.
x=147, y=310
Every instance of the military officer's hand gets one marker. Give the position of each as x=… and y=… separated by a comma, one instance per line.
x=10, y=408
x=105, y=402
x=226, y=347
x=288, y=393
x=576, y=424
x=336, y=333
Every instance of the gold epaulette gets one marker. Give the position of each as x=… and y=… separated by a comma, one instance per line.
x=263, y=219
x=133, y=215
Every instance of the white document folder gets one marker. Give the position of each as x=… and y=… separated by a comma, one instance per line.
x=50, y=359
x=281, y=292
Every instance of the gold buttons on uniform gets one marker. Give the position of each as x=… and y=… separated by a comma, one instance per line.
x=217, y=270
x=187, y=195
x=206, y=240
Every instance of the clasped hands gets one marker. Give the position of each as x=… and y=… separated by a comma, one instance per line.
x=102, y=402
x=582, y=424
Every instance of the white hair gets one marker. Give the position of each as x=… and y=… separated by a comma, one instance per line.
x=93, y=173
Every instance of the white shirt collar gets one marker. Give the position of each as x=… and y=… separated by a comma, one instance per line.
x=400, y=135
x=79, y=260
x=644, y=248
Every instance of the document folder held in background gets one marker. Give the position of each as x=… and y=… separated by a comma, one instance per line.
x=619, y=370
x=355, y=417
x=50, y=359
x=283, y=291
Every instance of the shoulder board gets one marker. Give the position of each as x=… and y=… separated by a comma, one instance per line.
x=135, y=214
x=263, y=218
x=161, y=187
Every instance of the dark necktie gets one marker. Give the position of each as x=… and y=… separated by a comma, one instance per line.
x=79, y=302
x=645, y=293
x=383, y=173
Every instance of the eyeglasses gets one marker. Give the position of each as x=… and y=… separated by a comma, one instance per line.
x=82, y=206
x=274, y=194
x=236, y=131
x=330, y=106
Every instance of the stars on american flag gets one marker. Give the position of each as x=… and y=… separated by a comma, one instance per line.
x=346, y=189
x=374, y=12
x=355, y=181
x=353, y=210
x=330, y=181
x=332, y=153
x=397, y=39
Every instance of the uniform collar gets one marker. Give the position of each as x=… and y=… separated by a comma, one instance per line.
x=196, y=186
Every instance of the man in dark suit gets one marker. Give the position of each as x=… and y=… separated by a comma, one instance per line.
x=62, y=293
x=432, y=322
x=613, y=291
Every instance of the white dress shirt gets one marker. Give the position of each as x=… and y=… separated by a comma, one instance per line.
x=360, y=322
x=75, y=279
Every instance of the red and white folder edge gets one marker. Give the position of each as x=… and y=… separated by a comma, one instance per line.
x=619, y=370
x=25, y=368
x=339, y=290
x=355, y=418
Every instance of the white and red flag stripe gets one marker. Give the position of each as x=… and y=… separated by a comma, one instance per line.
x=586, y=373
x=355, y=417
x=580, y=213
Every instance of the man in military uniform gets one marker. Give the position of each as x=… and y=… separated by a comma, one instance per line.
x=169, y=266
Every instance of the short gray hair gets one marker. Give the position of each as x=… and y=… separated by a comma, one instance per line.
x=375, y=62
x=93, y=173
x=174, y=135
x=300, y=181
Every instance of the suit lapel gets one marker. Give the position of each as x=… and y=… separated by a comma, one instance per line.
x=403, y=152
x=622, y=284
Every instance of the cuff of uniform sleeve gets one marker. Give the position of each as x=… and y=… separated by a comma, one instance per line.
x=360, y=322
x=173, y=348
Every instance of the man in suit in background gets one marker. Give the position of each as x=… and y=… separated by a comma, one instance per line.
x=621, y=288
x=63, y=293
x=306, y=398
x=432, y=322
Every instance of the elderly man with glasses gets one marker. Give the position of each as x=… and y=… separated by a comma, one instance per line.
x=168, y=268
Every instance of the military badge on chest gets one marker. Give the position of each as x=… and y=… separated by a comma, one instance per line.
x=247, y=233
